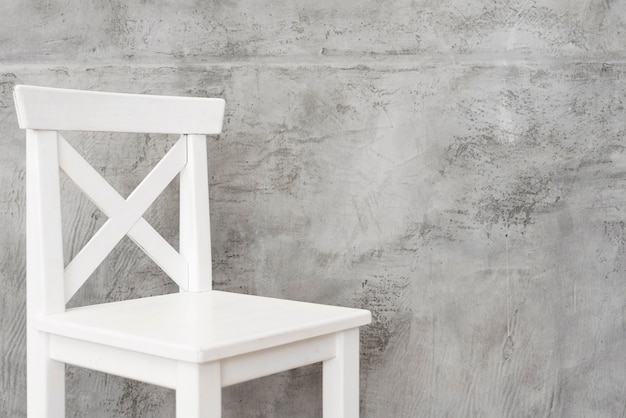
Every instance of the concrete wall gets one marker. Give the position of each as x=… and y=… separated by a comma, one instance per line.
x=456, y=167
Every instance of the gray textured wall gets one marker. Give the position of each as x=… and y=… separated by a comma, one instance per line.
x=456, y=167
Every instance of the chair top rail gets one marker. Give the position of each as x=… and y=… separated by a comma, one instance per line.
x=47, y=108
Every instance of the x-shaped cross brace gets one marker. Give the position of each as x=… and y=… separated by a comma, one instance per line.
x=125, y=215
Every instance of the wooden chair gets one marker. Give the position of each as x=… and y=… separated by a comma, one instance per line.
x=196, y=341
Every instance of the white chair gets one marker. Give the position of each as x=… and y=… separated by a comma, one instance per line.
x=196, y=341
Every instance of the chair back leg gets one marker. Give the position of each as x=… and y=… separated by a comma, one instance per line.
x=45, y=381
x=341, y=377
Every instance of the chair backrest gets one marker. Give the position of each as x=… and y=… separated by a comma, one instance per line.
x=43, y=112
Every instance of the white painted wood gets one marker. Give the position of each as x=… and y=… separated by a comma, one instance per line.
x=77, y=110
x=160, y=251
x=109, y=201
x=277, y=359
x=202, y=326
x=199, y=390
x=45, y=242
x=143, y=367
x=162, y=371
x=45, y=378
x=195, y=228
x=195, y=341
x=114, y=229
x=44, y=288
x=341, y=377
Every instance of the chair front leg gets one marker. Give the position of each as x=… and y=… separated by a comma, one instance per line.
x=341, y=377
x=199, y=390
x=45, y=382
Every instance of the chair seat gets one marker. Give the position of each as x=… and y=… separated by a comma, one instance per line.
x=201, y=327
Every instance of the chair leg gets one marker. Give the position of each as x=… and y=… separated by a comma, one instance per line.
x=45, y=380
x=341, y=377
x=199, y=390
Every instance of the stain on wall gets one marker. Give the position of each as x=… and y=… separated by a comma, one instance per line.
x=458, y=168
